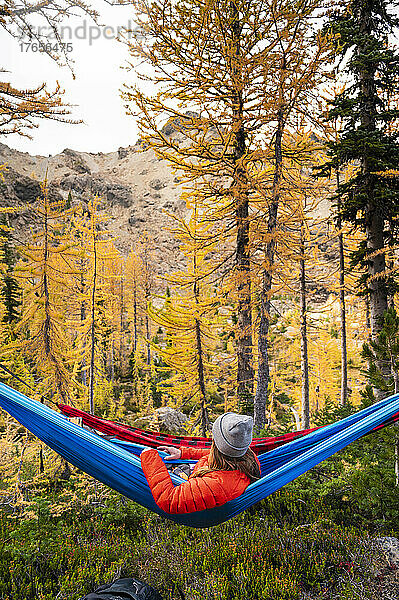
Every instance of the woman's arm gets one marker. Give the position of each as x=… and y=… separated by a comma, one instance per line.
x=184, y=453
x=193, y=453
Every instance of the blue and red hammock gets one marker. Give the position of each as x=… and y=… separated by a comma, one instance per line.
x=116, y=462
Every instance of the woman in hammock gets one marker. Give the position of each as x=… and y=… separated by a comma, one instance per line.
x=221, y=473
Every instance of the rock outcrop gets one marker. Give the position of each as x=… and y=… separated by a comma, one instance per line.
x=136, y=187
x=390, y=548
x=169, y=420
x=140, y=192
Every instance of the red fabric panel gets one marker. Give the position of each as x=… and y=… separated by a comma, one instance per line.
x=154, y=439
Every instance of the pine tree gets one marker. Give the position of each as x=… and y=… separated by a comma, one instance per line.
x=370, y=199
x=11, y=291
x=382, y=356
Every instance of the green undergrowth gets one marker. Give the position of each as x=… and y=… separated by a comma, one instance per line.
x=283, y=549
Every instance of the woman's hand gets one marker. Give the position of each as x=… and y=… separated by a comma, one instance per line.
x=174, y=453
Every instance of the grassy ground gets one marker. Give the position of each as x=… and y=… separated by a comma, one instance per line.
x=284, y=549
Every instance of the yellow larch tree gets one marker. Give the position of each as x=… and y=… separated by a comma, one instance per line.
x=92, y=298
x=43, y=274
x=189, y=319
x=222, y=60
x=134, y=289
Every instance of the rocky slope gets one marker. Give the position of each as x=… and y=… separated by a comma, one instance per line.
x=137, y=187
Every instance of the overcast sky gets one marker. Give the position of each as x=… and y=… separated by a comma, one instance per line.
x=95, y=91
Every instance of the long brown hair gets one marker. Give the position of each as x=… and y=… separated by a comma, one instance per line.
x=217, y=461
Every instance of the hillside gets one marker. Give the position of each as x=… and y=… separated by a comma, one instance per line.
x=138, y=189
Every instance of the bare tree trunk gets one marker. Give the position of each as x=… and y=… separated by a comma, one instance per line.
x=82, y=318
x=344, y=353
x=261, y=396
x=391, y=297
x=147, y=333
x=304, y=338
x=378, y=293
x=46, y=326
x=200, y=361
x=368, y=320
x=41, y=460
x=147, y=296
x=390, y=264
x=112, y=361
x=121, y=325
x=296, y=415
x=134, y=317
x=93, y=331
x=201, y=379
x=146, y=277
x=245, y=373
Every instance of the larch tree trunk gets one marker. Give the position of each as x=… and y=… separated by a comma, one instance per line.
x=201, y=380
x=368, y=320
x=82, y=319
x=134, y=317
x=377, y=287
x=200, y=360
x=261, y=396
x=93, y=327
x=342, y=304
x=245, y=372
x=304, y=337
x=147, y=333
x=121, y=326
x=112, y=362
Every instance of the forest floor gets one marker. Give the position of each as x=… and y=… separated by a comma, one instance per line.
x=267, y=553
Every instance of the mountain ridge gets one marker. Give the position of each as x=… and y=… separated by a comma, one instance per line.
x=138, y=189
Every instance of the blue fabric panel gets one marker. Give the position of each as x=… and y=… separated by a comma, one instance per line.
x=138, y=448
x=121, y=470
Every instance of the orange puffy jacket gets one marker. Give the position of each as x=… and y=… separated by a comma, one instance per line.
x=199, y=493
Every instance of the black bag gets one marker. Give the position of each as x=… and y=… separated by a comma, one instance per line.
x=124, y=589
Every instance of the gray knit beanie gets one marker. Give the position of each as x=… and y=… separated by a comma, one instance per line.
x=232, y=434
